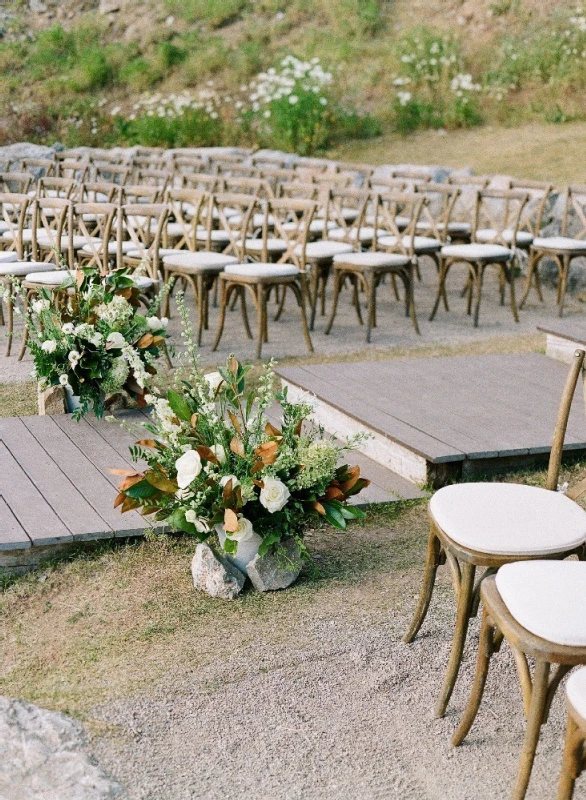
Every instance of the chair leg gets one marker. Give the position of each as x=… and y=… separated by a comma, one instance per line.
x=314, y=292
x=432, y=562
x=337, y=284
x=9, y=317
x=356, y=299
x=532, y=273
x=262, y=311
x=465, y=598
x=245, y=313
x=370, y=287
x=563, y=284
x=539, y=699
x=26, y=298
x=572, y=761
x=198, y=288
x=510, y=274
x=478, y=281
x=300, y=292
x=281, y=302
x=441, y=290
x=223, y=303
x=485, y=651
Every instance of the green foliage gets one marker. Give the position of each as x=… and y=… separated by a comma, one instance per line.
x=92, y=72
x=194, y=128
x=170, y=55
x=213, y=12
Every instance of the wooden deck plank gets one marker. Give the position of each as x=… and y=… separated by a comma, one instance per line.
x=12, y=534
x=81, y=519
x=115, y=435
x=572, y=329
x=92, y=484
x=35, y=515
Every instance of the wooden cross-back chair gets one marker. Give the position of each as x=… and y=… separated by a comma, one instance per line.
x=411, y=174
x=277, y=269
x=49, y=232
x=98, y=192
x=162, y=179
x=185, y=218
x=56, y=187
x=133, y=193
x=267, y=161
x=91, y=241
x=73, y=169
x=346, y=212
x=574, y=762
x=111, y=172
x=485, y=525
x=496, y=213
x=142, y=225
x=204, y=182
x=278, y=178
x=17, y=182
x=189, y=165
x=258, y=187
x=394, y=255
x=39, y=166
x=562, y=248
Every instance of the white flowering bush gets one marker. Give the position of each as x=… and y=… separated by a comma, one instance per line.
x=432, y=87
x=172, y=120
x=215, y=461
x=93, y=339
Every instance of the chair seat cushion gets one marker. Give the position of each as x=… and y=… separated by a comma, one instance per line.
x=347, y=214
x=200, y=261
x=142, y=283
x=365, y=234
x=316, y=226
x=273, y=245
x=420, y=243
x=548, y=598
x=50, y=278
x=133, y=252
x=261, y=270
x=509, y=518
x=324, y=250
x=7, y=255
x=21, y=269
x=477, y=252
x=216, y=236
x=372, y=260
x=26, y=237
x=456, y=228
x=576, y=691
x=524, y=238
x=45, y=240
x=112, y=247
x=559, y=243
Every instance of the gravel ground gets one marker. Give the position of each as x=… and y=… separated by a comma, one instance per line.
x=394, y=331
x=339, y=708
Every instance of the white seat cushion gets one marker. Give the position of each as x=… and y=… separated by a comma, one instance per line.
x=44, y=239
x=365, y=234
x=576, y=691
x=216, y=236
x=324, y=250
x=50, y=278
x=316, y=226
x=548, y=598
x=524, y=238
x=273, y=245
x=372, y=260
x=559, y=243
x=142, y=283
x=509, y=518
x=261, y=270
x=133, y=252
x=112, y=247
x=199, y=261
x=4, y=226
x=22, y=268
x=8, y=255
x=420, y=243
x=348, y=214
x=477, y=252
x=26, y=237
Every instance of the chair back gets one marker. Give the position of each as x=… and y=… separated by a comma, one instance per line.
x=38, y=166
x=160, y=178
x=17, y=182
x=574, y=213
x=498, y=214
x=436, y=214
x=290, y=221
x=49, y=228
x=555, y=458
x=254, y=186
x=538, y=193
x=345, y=209
x=203, y=182
x=98, y=192
x=396, y=219
x=143, y=225
x=73, y=169
x=56, y=187
x=111, y=172
x=186, y=210
x=382, y=185
x=229, y=220
x=91, y=222
x=139, y=194
x=189, y=165
x=14, y=213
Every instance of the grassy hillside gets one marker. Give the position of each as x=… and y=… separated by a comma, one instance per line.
x=393, y=66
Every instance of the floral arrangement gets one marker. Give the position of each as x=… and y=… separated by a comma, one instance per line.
x=93, y=341
x=215, y=461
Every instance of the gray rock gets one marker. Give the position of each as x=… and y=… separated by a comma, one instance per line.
x=51, y=401
x=109, y=6
x=11, y=155
x=43, y=757
x=276, y=570
x=215, y=575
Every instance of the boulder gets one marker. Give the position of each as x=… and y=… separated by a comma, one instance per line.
x=51, y=401
x=215, y=575
x=43, y=755
x=278, y=569
x=12, y=154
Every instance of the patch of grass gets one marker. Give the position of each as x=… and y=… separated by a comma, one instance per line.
x=18, y=399
x=215, y=13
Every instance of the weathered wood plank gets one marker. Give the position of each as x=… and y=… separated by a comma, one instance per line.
x=81, y=519
x=12, y=534
x=35, y=515
x=117, y=437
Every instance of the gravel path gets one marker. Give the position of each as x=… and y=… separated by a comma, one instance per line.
x=338, y=707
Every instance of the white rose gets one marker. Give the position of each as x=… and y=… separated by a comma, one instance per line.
x=73, y=357
x=214, y=379
x=64, y=380
x=201, y=525
x=243, y=532
x=188, y=467
x=68, y=328
x=226, y=478
x=219, y=452
x=115, y=340
x=164, y=322
x=49, y=346
x=274, y=495
x=154, y=323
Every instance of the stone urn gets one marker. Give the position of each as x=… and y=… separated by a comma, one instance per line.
x=245, y=551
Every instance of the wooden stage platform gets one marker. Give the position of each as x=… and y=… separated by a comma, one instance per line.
x=55, y=488
x=437, y=419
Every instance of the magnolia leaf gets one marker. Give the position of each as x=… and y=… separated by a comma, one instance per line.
x=145, y=341
x=150, y=369
x=260, y=484
x=207, y=453
x=130, y=481
x=298, y=428
x=270, y=430
x=142, y=489
x=147, y=443
x=268, y=541
x=230, y=521
x=193, y=420
x=124, y=473
x=235, y=422
x=119, y=499
x=141, y=400
x=133, y=386
x=161, y=482
x=360, y=484
x=157, y=340
x=334, y=515
x=79, y=278
x=129, y=504
x=179, y=405
x=333, y=493
x=318, y=507
x=237, y=447
x=257, y=467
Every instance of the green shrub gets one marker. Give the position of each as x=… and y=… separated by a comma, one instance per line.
x=140, y=74
x=169, y=55
x=92, y=71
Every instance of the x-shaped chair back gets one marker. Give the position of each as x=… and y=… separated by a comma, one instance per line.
x=56, y=187
x=14, y=213
x=98, y=192
x=204, y=183
x=186, y=208
x=222, y=208
x=500, y=210
x=132, y=193
x=300, y=191
x=17, y=182
x=142, y=224
x=73, y=169
x=39, y=166
x=148, y=162
x=287, y=220
x=111, y=172
x=338, y=202
x=49, y=228
x=436, y=214
x=396, y=215
x=539, y=194
x=382, y=185
x=412, y=175
x=160, y=178
x=254, y=186
x=190, y=165
x=92, y=221
x=574, y=213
